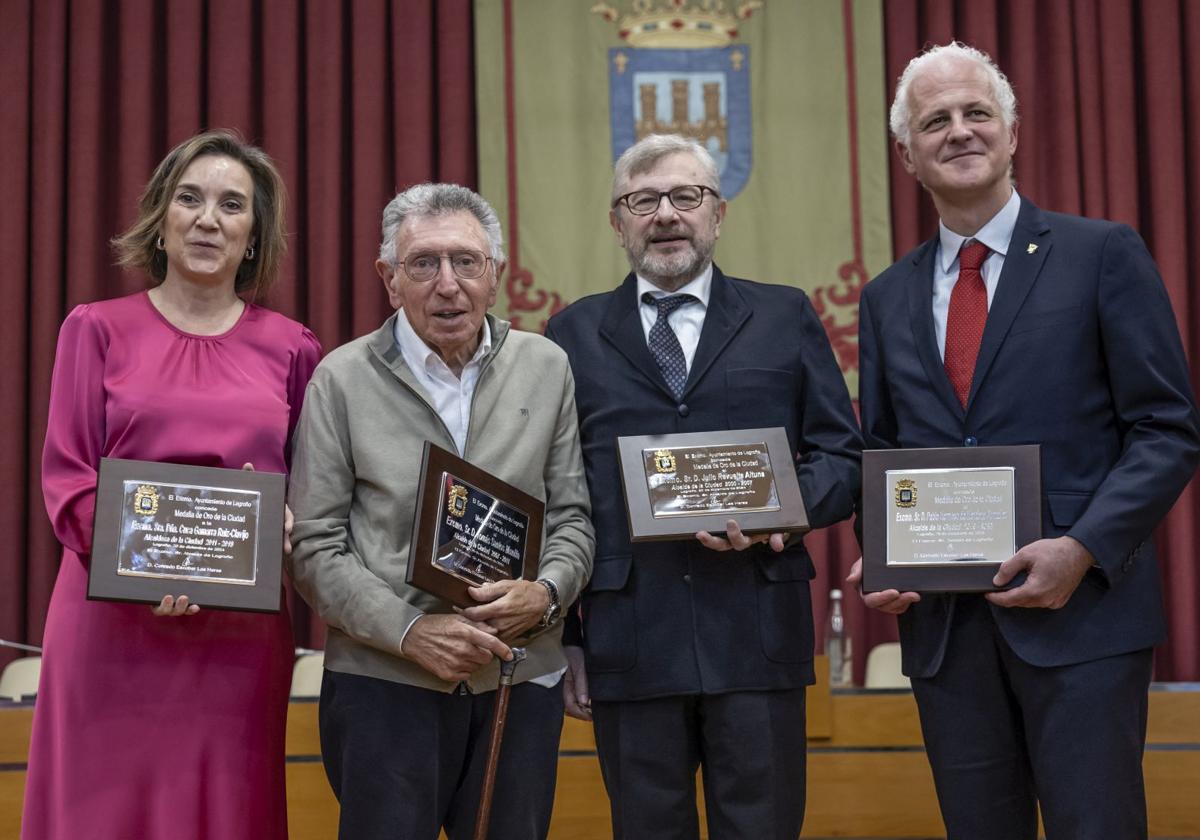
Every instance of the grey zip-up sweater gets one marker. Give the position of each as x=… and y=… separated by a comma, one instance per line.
x=355, y=469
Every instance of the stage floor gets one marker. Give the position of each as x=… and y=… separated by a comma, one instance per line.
x=867, y=773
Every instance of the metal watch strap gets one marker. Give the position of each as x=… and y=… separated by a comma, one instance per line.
x=552, y=609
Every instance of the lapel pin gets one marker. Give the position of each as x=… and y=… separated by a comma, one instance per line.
x=1031, y=248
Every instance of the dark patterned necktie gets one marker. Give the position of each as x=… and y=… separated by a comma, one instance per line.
x=966, y=319
x=664, y=345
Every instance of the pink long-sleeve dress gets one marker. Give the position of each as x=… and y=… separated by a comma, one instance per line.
x=149, y=727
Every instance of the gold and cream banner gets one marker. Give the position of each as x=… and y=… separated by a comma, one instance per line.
x=789, y=96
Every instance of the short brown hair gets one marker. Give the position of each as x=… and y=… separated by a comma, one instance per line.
x=138, y=246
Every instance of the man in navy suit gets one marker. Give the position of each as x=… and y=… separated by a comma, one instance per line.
x=697, y=651
x=1015, y=326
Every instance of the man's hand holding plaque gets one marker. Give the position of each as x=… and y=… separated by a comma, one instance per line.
x=510, y=607
x=736, y=540
x=888, y=600
x=1053, y=569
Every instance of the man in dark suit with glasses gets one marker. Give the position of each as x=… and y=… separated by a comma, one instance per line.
x=695, y=653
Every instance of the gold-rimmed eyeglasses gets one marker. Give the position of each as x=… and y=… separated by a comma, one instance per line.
x=466, y=265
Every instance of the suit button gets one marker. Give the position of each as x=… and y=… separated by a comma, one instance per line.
x=684, y=410
x=687, y=579
x=971, y=440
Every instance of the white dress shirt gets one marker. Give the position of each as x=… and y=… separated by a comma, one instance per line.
x=996, y=235
x=451, y=395
x=687, y=320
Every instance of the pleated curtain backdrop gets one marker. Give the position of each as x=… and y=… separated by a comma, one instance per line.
x=1108, y=128
x=353, y=100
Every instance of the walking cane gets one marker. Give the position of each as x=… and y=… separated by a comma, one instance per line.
x=499, y=716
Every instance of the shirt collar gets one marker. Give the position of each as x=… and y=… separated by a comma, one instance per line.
x=414, y=349
x=699, y=287
x=996, y=234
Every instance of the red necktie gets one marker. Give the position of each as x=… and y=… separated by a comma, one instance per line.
x=964, y=323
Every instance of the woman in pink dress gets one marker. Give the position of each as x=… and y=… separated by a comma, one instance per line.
x=168, y=722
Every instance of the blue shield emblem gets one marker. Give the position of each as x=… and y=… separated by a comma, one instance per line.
x=700, y=93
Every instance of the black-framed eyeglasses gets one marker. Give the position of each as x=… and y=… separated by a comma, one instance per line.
x=424, y=266
x=645, y=202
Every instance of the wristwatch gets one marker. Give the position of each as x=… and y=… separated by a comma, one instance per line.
x=551, y=614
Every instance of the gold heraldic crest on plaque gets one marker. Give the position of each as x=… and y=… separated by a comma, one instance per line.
x=906, y=493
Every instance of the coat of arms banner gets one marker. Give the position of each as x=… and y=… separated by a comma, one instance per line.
x=789, y=97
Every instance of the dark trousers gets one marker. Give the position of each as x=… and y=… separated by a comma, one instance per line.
x=1003, y=736
x=405, y=762
x=749, y=744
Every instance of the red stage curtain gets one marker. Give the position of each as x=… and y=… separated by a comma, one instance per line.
x=1105, y=91
x=353, y=101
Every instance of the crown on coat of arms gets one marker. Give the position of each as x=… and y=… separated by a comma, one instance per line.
x=689, y=24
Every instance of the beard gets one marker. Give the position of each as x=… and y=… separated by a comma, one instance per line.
x=671, y=271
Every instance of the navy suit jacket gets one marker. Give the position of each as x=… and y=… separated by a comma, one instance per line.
x=670, y=618
x=1080, y=354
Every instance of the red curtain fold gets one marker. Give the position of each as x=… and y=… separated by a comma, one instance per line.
x=354, y=101
x=1107, y=129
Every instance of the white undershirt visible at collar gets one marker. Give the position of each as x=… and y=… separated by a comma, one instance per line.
x=687, y=321
x=996, y=235
x=451, y=395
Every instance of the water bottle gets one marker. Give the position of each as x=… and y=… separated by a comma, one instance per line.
x=837, y=643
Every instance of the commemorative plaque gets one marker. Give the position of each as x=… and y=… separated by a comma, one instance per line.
x=470, y=528
x=214, y=535
x=943, y=520
x=676, y=485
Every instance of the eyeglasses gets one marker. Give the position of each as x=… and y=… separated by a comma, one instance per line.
x=645, y=202
x=467, y=265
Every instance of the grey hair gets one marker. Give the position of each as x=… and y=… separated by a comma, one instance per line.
x=645, y=153
x=436, y=200
x=898, y=119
